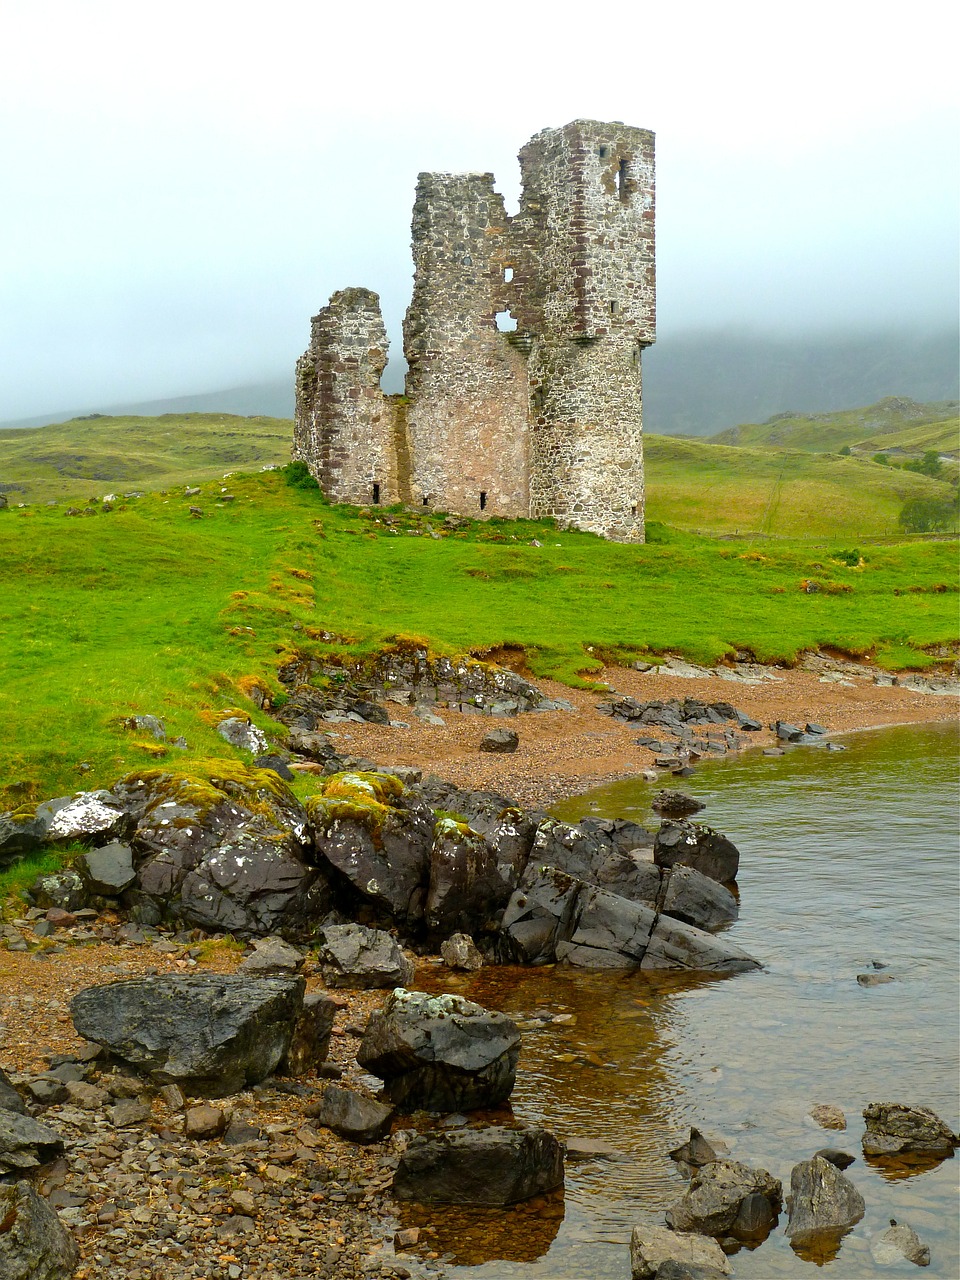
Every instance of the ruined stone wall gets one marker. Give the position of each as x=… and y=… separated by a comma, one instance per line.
x=585, y=293
x=467, y=416
x=345, y=426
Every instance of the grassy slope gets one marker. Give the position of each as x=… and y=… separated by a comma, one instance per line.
x=690, y=483
x=918, y=426
x=717, y=488
x=145, y=609
x=88, y=457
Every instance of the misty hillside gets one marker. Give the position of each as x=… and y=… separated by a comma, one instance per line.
x=693, y=383
x=894, y=426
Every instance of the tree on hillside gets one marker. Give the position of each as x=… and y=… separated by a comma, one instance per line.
x=930, y=515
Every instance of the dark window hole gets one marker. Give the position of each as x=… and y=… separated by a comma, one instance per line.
x=483, y=499
x=376, y=493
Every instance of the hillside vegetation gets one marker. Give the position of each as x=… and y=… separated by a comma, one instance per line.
x=895, y=426
x=691, y=484
x=149, y=609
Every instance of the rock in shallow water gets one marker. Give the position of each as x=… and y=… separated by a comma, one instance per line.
x=718, y=1192
x=896, y=1129
x=440, y=1053
x=824, y=1206
x=493, y=1166
x=651, y=1247
x=212, y=1035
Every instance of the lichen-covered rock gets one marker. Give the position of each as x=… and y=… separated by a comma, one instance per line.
x=62, y=889
x=91, y=817
x=896, y=1129
x=243, y=735
x=651, y=1246
x=697, y=846
x=34, y=1244
x=359, y=958
x=211, y=1034
x=722, y=1200
x=377, y=834
x=228, y=851
x=824, y=1206
x=493, y=1166
x=440, y=1053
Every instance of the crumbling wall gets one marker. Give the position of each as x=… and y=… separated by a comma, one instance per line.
x=467, y=417
x=344, y=426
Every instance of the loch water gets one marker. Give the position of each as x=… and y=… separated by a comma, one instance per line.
x=847, y=858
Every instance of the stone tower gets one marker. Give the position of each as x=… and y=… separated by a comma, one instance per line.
x=541, y=421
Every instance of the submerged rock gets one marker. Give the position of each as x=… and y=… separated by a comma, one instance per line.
x=440, y=1053
x=493, y=1166
x=899, y=1241
x=211, y=1034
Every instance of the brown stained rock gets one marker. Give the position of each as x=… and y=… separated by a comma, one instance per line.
x=828, y=1116
x=204, y=1122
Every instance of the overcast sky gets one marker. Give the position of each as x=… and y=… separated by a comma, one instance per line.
x=184, y=184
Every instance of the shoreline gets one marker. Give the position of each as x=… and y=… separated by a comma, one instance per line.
x=566, y=753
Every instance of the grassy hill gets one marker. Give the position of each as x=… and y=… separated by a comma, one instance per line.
x=147, y=609
x=892, y=425
x=691, y=484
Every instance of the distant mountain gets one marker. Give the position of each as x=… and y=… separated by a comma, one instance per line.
x=698, y=384
x=693, y=383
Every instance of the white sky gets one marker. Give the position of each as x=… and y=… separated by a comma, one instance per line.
x=185, y=184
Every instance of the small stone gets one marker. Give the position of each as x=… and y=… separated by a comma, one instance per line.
x=503, y=740
x=406, y=1238
x=244, y=1202
x=874, y=979
x=204, y=1122
x=840, y=1159
x=460, y=952
x=128, y=1111
x=86, y=1095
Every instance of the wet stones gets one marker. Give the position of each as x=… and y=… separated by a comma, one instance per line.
x=899, y=1241
x=696, y=846
x=824, y=1206
x=651, y=1247
x=440, y=1053
x=895, y=1129
x=356, y=957
x=34, y=1244
x=493, y=1166
x=724, y=1199
x=212, y=1035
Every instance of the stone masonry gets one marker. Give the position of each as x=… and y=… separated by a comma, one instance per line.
x=543, y=420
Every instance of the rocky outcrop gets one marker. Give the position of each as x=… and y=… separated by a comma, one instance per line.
x=651, y=1247
x=895, y=1129
x=212, y=1035
x=726, y=1198
x=461, y=682
x=493, y=1166
x=440, y=1053
x=353, y=956
x=824, y=1206
x=34, y=1244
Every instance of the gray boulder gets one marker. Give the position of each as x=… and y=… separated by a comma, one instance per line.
x=494, y=1166
x=243, y=735
x=895, y=1129
x=62, y=889
x=440, y=1053
x=690, y=896
x=212, y=1035
x=460, y=952
x=34, y=1244
x=675, y=804
x=92, y=817
x=824, y=1206
x=10, y=1099
x=356, y=957
x=721, y=1201
x=470, y=879
x=651, y=1247
x=271, y=955
x=697, y=846
x=351, y=1116
x=107, y=871
x=25, y=1143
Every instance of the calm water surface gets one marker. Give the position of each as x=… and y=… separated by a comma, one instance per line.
x=846, y=858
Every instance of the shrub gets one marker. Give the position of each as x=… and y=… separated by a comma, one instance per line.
x=929, y=515
x=297, y=475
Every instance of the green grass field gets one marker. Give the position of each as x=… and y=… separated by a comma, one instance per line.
x=145, y=609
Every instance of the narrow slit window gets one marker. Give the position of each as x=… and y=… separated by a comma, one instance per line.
x=633, y=511
x=426, y=502
x=603, y=153
x=376, y=494
x=507, y=274
x=483, y=499
x=613, y=308
x=623, y=181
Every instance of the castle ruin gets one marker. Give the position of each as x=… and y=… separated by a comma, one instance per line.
x=542, y=420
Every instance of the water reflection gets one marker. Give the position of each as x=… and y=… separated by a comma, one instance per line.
x=846, y=859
